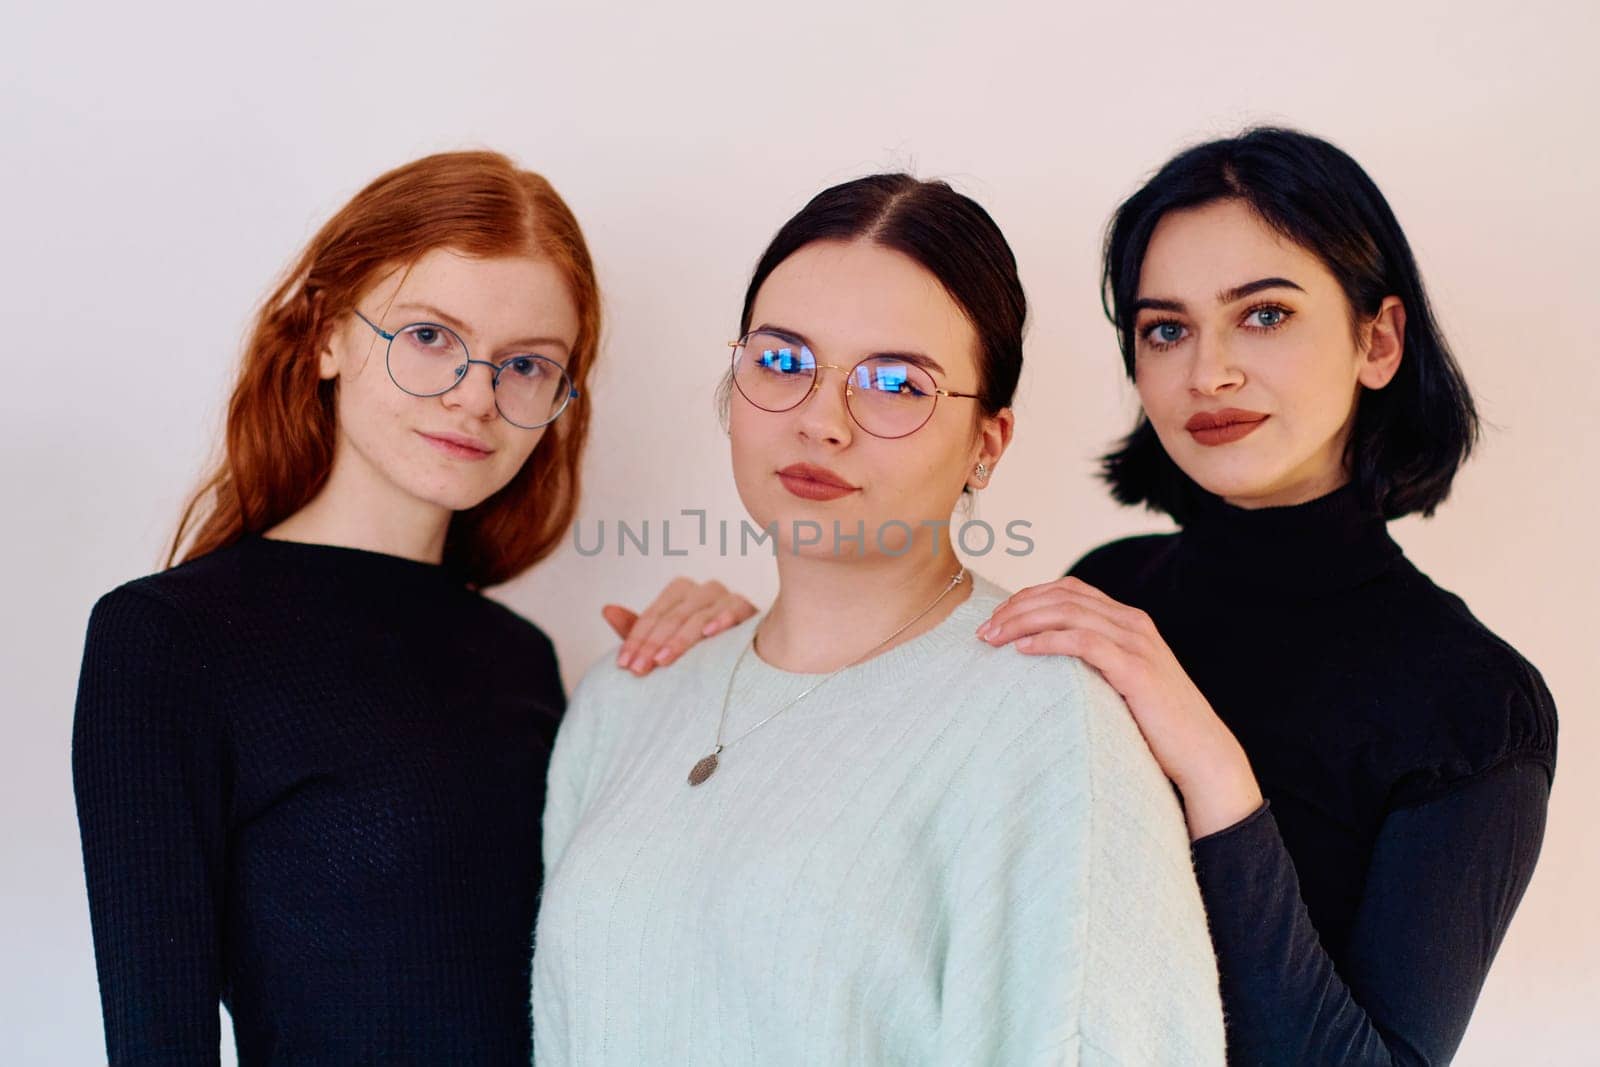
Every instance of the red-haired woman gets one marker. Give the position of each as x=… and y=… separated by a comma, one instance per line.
x=309, y=758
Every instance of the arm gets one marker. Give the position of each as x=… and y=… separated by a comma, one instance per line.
x=1195, y=748
x=572, y=758
x=1304, y=1011
x=1445, y=878
x=148, y=772
x=1076, y=929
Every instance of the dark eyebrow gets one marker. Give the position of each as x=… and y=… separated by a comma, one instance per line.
x=1226, y=296
x=1148, y=303
x=795, y=336
x=1239, y=292
x=444, y=318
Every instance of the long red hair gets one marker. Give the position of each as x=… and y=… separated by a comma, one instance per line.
x=281, y=428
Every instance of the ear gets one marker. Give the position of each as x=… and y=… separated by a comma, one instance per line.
x=327, y=357
x=1386, y=342
x=994, y=437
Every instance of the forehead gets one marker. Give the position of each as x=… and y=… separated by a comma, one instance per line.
x=851, y=299
x=494, y=297
x=1196, y=252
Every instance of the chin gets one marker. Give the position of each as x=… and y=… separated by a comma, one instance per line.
x=455, y=495
x=1232, y=481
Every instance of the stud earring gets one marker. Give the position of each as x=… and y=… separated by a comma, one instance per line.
x=982, y=472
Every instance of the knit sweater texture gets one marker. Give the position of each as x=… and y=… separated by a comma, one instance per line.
x=949, y=854
x=309, y=782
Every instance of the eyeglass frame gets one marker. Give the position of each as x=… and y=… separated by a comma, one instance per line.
x=849, y=373
x=464, y=368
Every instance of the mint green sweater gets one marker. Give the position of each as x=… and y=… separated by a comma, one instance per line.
x=949, y=854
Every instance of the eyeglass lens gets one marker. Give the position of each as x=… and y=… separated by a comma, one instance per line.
x=426, y=359
x=888, y=397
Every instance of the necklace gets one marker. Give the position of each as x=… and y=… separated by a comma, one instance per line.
x=707, y=766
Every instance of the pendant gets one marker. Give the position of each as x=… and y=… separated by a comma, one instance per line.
x=704, y=769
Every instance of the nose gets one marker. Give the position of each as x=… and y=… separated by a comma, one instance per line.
x=474, y=393
x=824, y=415
x=1213, y=370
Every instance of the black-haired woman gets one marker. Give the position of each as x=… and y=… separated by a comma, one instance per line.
x=1296, y=395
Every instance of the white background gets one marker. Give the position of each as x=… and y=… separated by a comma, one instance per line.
x=160, y=165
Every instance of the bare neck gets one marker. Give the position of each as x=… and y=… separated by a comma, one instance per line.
x=365, y=512
x=831, y=612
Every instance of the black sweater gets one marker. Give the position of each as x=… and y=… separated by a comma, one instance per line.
x=1405, y=753
x=309, y=784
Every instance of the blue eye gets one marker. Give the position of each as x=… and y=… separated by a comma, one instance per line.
x=1267, y=317
x=1164, y=334
x=525, y=366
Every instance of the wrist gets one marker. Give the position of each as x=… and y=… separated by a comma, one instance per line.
x=1219, y=792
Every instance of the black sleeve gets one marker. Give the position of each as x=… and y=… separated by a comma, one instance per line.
x=1446, y=876
x=148, y=772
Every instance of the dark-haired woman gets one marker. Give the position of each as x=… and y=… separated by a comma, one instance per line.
x=849, y=833
x=1364, y=767
x=309, y=759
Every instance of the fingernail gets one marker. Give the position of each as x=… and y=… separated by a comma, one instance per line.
x=1023, y=643
x=622, y=658
x=638, y=663
x=664, y=655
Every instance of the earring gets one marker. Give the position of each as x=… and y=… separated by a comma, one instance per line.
x=982, y=472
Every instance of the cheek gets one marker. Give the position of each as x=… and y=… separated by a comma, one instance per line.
x=520, y=448
x=749, y=446
x=922, y=478
x=364, y=407
x=1319, y=391
x=1154, y=382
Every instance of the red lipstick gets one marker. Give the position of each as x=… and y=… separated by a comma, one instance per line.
x=1212, y=428
x=814, y=483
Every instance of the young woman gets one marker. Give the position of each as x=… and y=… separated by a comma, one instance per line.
x=851, y=833
x=309, y=760
x=1296, y=395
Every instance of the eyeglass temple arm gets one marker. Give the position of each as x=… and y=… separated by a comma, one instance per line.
x=379, y=330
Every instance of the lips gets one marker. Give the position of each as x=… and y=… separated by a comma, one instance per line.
x=458, y=446
x=814, y=483
x=1213, y=428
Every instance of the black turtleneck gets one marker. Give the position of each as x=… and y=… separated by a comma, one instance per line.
x=309, y=784
x=1405, y=753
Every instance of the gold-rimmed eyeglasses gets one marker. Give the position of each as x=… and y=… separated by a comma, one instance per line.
x=887, y=395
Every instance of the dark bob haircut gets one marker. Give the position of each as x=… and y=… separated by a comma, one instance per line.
x=946, y=233
x=1410, y=437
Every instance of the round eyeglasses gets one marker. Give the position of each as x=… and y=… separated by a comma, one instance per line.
x=887, y=395
x=427, y=359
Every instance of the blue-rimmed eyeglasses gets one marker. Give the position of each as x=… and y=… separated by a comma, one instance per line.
x=427, y=359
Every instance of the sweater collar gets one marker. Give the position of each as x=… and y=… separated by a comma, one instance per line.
x=1331, y=543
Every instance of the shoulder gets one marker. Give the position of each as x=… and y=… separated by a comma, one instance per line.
x=1072, y=709
x=1126, y=563
x=154, y=609
x=511, y=628
x=609, y=694
x=205, y=592
x=144, y=666
x=1052, y=712
x=1486, y=703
